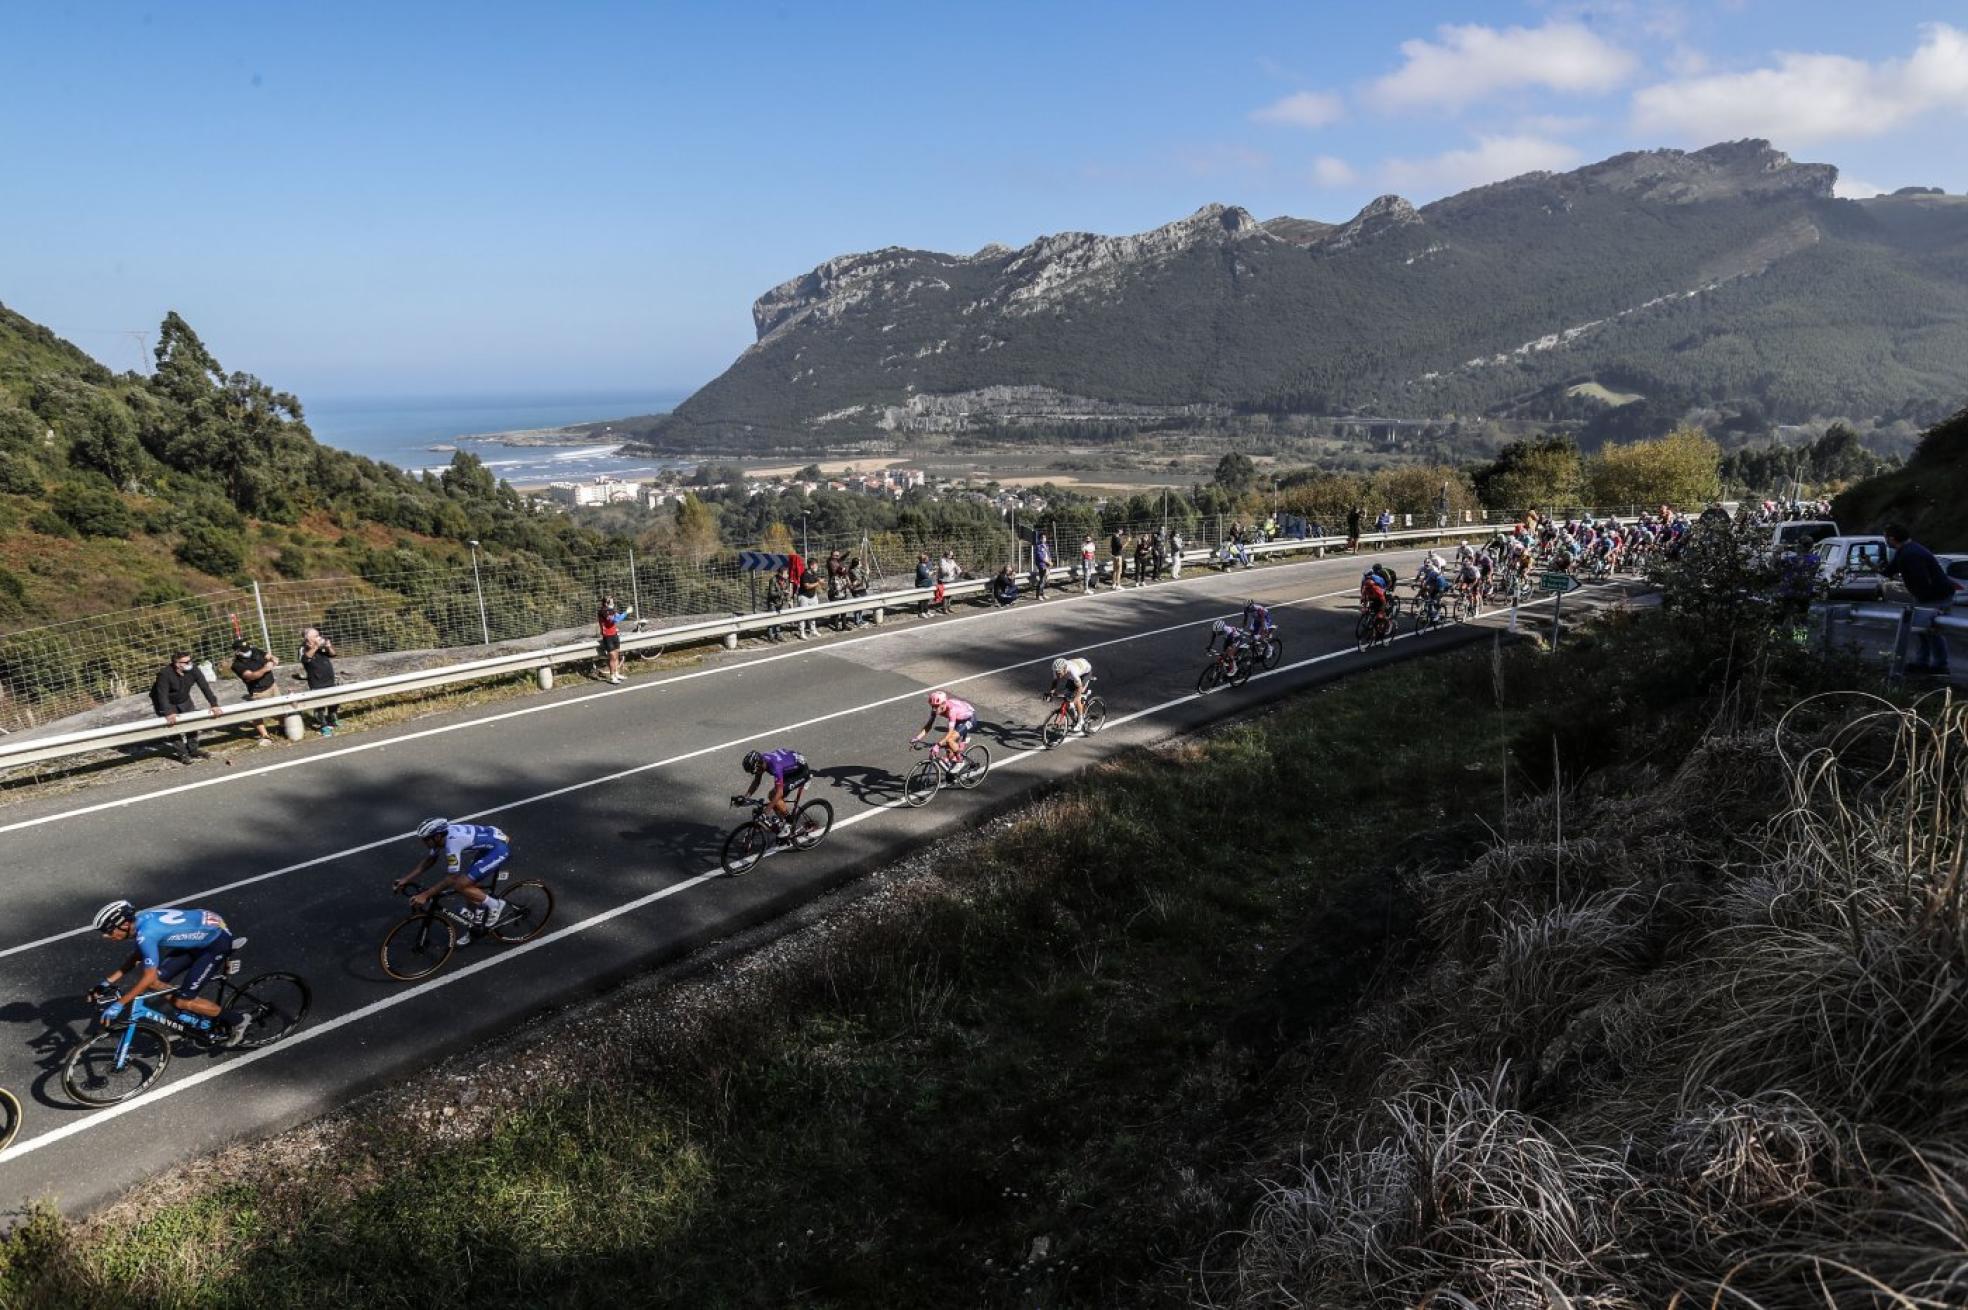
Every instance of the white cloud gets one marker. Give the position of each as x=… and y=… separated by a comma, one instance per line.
x=1469, y=63
x=1491, y=159
x=1329, y=171
x=1307, y=109
x=1553, y=124
x=1806, y=98
x=1851, y=188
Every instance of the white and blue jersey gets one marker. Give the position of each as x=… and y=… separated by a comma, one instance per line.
x=476, y=850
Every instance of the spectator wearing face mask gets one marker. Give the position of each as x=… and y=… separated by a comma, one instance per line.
x=170, y=696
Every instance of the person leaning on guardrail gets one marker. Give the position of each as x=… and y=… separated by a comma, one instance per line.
x=254, y=668
x=778, y=595
x=170, y=696
x=1928, y=583
x=806, y=596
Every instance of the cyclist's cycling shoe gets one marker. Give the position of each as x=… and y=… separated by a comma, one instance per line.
x=230, y=1030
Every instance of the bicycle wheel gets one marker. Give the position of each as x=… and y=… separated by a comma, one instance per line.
x=1210, y=678
x=10, y=1118
x=745, y=847
x=1053, y=731
x=1274, y=651
x=811, y=824
x=976, y=763
x=274, y=1003
x=923, y=782
x=527, y=906
x=94, y=1074
x=1096, y=715
x=418, y=947
x=1364, y=634
x=1240, y=671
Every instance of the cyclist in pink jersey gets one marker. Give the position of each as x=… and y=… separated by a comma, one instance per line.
x=961, y=714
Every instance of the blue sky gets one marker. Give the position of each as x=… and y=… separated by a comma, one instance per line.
x=436, y=198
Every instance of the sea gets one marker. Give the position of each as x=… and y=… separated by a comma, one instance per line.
x=402, y=430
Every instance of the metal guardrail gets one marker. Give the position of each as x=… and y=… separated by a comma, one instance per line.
x=1903, y=620
x=290, y=705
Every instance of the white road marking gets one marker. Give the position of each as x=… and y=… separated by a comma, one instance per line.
x=654, y=764
x=101, y=1117
x=318, y=757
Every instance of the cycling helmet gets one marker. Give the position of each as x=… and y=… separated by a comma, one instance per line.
x=430, y=828
x=1219, y=627
x=1059, y=667
x=113, y=916
x=753, y=762
x=938, y=699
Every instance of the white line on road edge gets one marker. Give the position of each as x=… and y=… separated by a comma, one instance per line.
x=251, y=1058
x=644, y=768
x=356, y=748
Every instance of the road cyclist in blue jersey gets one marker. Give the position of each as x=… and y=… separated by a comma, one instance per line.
x=789, y=772
x=474, y=856
x=174, y=947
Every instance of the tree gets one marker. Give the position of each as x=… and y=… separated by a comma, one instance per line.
x=779, y=539
x=93, y=511
x=1682, y=469
x=696, y=528
x=1235, y=472
x=105, y=439
x=1542, y=473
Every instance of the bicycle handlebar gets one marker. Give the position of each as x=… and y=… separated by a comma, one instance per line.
x=409, y=889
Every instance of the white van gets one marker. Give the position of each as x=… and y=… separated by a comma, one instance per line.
x=1848, y=567
x=1799, y=533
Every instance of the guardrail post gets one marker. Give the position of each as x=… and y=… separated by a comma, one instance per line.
x=731, y=641
x=881, y=613
x=546, y=677
x=291, y=726
x=1902, y=637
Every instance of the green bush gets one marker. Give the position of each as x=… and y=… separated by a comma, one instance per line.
x=50, y=524
x=93, y=511
x=13, y=595
x=18, y=475
x=291, y=562
x=211, y=550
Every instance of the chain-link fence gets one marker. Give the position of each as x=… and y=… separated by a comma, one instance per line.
x=50, y=672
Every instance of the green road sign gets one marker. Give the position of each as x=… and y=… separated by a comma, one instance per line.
x=1557, y=584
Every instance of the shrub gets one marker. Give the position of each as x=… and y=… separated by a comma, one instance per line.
x=291, y=562
x=93, y=511
x=18, y=475
x=13, y=595
x=211, y=550
x=50, y=524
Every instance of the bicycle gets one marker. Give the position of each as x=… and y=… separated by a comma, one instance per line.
x=131, y=1053
x=418, y=946
x=942, y=766
x=1058, y=723
x=1372, y=629
x=1226, y=668
x=1431, y=611
x=759, y=835
x=1268, y=648
x=10, y=1118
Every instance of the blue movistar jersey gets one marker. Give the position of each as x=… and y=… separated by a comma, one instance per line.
x=468, y=845
x=161, y=932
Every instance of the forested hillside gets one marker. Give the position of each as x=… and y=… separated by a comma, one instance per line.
x=1929, y=495
x=1658, y=281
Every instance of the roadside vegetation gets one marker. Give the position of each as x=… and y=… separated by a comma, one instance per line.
x=1496, y=978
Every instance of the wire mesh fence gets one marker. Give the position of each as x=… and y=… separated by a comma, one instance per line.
x=60, y=669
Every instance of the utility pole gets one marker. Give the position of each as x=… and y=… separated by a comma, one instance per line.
x=484, y=628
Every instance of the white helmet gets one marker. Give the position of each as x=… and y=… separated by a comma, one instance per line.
x=113, y=916
x=1219, y=627
x=430, y=828
x=1059, y=667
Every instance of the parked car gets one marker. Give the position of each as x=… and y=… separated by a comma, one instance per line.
x=1957, y=570
x=1799, y=533
x=1848, y=567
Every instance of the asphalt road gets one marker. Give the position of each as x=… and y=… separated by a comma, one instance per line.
x=613, y=795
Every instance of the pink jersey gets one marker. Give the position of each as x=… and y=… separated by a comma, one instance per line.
x=958, y=710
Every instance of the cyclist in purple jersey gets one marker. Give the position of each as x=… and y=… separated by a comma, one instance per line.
x=789, y=772
x=181, y=947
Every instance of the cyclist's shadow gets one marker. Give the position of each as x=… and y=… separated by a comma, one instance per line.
x=688, y=843
x=64, y=1022
x=1014, y=737
x=867, y=783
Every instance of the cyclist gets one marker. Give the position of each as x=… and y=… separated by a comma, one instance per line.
x=962, y=716
x=1375, y=587
x=1257, y=619
x=473, y=856
x=1469, y=579
x=790, y=773
x=1235, y=639
x=1430, y=582
x=1076, y=673
x=185, y=947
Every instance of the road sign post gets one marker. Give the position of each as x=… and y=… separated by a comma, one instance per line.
x=1557, y=584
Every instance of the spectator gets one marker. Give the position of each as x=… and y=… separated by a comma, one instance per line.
x=1176, y=545
x=1004, y=587
x=1041, y=564
x=608, y=619
x=1928, y=583
x=807, y=596
x=857, y=586
x=254, y=668
x=947, y=568
x=318, y=664
x=1158, y=554
x=1117, y=550
x=1089, y=567
x=1354, y=517
x=1385, y=523
x=170, y=696
x=795, y=573
x=778, y=595
x=925, y=577
x=837, y=588
x=1141, y=559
